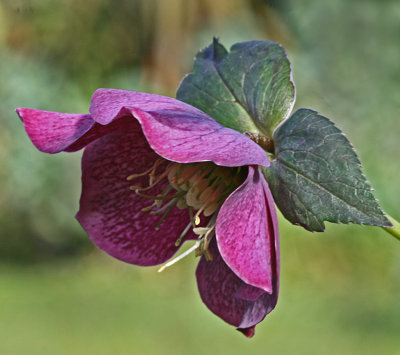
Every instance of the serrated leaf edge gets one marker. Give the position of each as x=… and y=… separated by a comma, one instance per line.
x=322, y=221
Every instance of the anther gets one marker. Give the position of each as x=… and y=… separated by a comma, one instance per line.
x=186, y=175
x=179, y=240
x=209, y=200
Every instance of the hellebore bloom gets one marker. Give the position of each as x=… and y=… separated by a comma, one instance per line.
x=157, y=172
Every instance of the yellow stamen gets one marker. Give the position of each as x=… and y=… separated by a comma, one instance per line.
x=169, y=206
x=141, y=188
x=211, y=208
x=206, y=194
x=191, y=216
x=152, y=175
x=197, y=186
x=163, y=208
x=205, y=235
x=210, y=199
x=134, y=176
x=200, y=230
x=201, y=176
x=192, y=196
x=179, y=240
x=186, y=175
x=182, y=204
x=148, y=208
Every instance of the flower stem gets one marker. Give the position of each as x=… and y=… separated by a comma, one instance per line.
x=395, y=230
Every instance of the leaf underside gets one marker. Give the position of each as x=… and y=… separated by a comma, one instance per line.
x=316, y=175
x=248, y=89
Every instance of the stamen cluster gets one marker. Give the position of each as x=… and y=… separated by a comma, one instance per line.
x=200, y=187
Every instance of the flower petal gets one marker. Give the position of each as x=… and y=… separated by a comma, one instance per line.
x=175, y=130
x=178, y=131
x=247, y=233
x=52, y=132
x=273, y=229
x=97, y=131
x=106, y=104
x=111, y=213
x=229, y=297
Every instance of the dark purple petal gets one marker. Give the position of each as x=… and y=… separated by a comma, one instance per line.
x=52, y=132
x=248, y=332
x=97, y=131
x=246, y=232
x=111, y=213
x=177, y=131
x=227, y=296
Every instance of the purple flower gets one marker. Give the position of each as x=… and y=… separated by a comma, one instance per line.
x=157, y=172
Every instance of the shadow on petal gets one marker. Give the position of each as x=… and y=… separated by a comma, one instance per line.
x=111, y=213
x=222, y=291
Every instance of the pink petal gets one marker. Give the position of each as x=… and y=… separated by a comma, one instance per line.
x=52, y=132
x=177, y=131
x=225, y=294
x=247, y=233
x=106, y=104
x=111, y=213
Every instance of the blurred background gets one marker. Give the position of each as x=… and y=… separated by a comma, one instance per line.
x=340, y=290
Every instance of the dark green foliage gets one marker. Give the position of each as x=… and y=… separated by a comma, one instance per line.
x=316, y=175
x=247, y=89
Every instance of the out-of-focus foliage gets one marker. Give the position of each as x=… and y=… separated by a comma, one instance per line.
x=32, y=225
x=84, y=41
x=347, y=66
x=339, y=289
x=53, y=56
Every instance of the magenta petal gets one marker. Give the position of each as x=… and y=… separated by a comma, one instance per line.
x=177, y=131
x=111, y=213
x=222, y=292
x=52, y=132
x=106, y=104
x=247, y=233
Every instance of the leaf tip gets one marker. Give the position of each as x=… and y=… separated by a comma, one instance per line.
x=214, y=52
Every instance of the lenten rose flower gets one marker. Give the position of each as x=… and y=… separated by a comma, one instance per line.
x=156, y=173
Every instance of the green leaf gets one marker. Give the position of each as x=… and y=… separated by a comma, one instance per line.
x=316, y=175
x=248, y=89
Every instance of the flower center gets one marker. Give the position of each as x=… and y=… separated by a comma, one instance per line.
x=199, y=187
x=263, y=141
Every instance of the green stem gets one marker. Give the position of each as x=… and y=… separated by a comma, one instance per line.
x=395, y=230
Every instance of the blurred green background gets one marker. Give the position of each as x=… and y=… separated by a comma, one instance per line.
x=340, y=290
